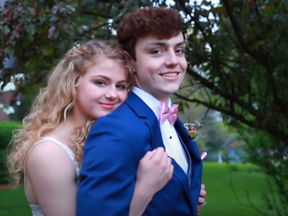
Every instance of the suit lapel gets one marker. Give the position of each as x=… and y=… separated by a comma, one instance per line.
x=188, y=142
x=181, y=176
x=196, y=169
x=142, y=110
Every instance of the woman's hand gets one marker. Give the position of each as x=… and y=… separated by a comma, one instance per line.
x=201, y=200
x=154, y=171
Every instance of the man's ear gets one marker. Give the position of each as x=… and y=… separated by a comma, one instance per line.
x=136, y=80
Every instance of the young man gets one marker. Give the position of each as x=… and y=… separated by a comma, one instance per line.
x=116, y=143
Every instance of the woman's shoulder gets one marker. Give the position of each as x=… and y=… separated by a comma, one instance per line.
x=47, y=153
x=48, y=166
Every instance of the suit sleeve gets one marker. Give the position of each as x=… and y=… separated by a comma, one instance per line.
x=110, y=163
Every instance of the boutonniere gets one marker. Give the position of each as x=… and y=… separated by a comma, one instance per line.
x=193, y=132
x=193, y=129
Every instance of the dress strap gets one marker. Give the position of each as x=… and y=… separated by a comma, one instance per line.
x=68, y=150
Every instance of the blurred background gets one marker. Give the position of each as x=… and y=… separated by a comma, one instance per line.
x=236, y=86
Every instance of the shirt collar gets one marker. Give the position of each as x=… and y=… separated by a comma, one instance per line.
x=153, y=103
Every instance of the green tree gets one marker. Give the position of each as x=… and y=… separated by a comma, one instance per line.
x=38, y=33
x=238, y=59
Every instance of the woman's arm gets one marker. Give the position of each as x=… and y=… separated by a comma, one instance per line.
x=154, y=171
x=52, y=177
x=201, y=200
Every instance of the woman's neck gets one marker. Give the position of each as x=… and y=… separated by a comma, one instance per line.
x=77, y=119
x=62, y=132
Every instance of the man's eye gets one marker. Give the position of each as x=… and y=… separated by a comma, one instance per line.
x=180, y=51
x=157, y=51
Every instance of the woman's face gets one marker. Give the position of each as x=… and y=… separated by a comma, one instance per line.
x=101, y=90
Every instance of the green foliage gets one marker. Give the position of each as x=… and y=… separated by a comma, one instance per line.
x=213, y=134
x=14, y=203
x=39, y=34
x=273, y=162
x=238, y=59
x=6, y=129
x=233, y=188
x=238, y=62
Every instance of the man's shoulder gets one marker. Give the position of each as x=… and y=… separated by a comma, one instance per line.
x=123, y=116
x=133, y=106
x=124, y=111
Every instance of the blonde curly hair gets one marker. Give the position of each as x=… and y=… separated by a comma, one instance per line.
x=53, y=103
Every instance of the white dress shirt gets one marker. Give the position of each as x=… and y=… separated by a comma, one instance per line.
x=170, y=138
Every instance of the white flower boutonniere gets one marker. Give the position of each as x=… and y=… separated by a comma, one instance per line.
x=193, y=132
x=193, y=129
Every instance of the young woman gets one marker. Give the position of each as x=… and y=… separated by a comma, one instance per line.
x=89, y=82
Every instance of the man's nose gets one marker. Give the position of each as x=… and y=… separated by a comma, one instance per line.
x=172, y=59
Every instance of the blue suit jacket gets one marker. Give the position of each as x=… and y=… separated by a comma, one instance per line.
x=114, y=147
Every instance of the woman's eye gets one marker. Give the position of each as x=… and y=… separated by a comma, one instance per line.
x=121, y=87
x=99, y=82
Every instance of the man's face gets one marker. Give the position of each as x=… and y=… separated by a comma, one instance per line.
x=160, y=65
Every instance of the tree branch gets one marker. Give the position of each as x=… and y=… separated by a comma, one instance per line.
x=80, y=35
x=253, y=206
x=222, y=110
x=188, y=13
x=96, y=14
x=217, y=90
x=237, y=198
x=237, y=31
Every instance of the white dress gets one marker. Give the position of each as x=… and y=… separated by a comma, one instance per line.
x=36, y=209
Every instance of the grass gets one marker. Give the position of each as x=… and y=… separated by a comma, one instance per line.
x=220, y=199
x=13, y=203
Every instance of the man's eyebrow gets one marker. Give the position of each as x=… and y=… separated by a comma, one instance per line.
x=184, y=43
x=163, y=44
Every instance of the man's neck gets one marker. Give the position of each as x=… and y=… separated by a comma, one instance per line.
x=165, y=100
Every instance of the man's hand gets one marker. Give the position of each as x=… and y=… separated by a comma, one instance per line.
x=201, y=200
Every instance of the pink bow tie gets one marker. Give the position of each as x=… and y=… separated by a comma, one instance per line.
x=167, y=113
